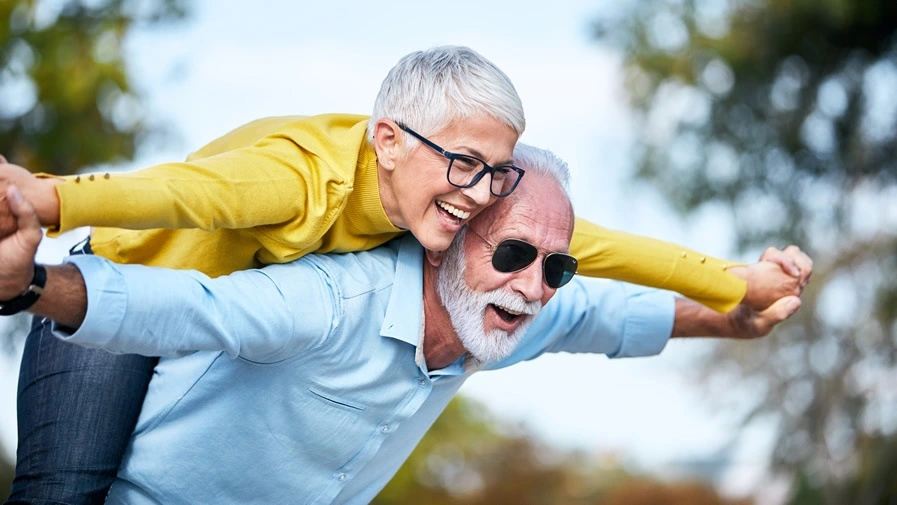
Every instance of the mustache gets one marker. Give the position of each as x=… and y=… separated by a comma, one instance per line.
x=513, y=301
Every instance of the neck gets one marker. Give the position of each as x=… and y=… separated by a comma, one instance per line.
x=388, y=197
x=441, y=345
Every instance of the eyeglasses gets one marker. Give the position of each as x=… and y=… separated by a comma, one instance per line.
x=466, y=171
x=513, y=255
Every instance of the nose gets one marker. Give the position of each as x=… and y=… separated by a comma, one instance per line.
x=528, y=282
x=480, y=192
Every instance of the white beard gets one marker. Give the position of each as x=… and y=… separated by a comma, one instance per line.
x=467, y=308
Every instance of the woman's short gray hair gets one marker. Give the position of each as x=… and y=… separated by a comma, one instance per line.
x=428, y=90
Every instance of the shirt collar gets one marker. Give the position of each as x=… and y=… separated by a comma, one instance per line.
x=404, y=311
x=404, y=318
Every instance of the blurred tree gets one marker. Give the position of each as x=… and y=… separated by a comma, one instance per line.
x=7, y=472
x=652, y=492
x=66, y=100
x=471, y=459
x=783, y=113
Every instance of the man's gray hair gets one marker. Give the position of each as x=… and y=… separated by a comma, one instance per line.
x=542, y=161
x=428, y=90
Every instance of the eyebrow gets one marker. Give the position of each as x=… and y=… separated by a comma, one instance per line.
x=477, y=154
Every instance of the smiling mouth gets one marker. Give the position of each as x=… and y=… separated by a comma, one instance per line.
x=507, y=315
x=452, y=211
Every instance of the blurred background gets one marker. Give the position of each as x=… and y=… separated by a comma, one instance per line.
x=724, y=125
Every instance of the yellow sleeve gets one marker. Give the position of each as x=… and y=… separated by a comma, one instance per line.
x=641, y=260
x=271, y=182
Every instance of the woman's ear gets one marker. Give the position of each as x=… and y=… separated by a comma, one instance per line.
x=388, y=143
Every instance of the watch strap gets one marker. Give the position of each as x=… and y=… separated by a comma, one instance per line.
x=29, y=297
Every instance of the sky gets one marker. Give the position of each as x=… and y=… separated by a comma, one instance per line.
x=231, y=64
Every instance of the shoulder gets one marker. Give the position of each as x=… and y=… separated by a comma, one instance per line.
x=348, y=274
x=283, y=126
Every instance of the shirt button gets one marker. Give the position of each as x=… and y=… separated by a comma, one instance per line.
x=341, y=476
x=385, y=429
x=423, y=383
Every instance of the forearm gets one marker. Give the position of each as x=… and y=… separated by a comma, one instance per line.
x=695, y=320
x=649, y=262
x=208, y=194
x=64, y=298
x=161, y=312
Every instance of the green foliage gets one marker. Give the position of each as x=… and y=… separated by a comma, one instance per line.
x=643, y=491
x=783, y=112
x=469, y=458
x=66, y=100
x=7, y=472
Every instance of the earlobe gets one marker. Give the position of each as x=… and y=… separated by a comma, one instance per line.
x=435, y=258
x=387, y=142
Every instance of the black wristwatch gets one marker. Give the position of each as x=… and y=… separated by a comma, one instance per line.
x=26, y=299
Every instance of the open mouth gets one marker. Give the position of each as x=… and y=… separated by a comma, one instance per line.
x=452, y=212
x=507, y=315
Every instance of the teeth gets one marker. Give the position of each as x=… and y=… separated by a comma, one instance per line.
x=509, y=311
x=451, y=209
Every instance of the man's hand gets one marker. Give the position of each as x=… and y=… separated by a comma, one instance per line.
x=17, y=249
x=41, y=193
x=7, y=220
x=746, y=322
x=778, y=274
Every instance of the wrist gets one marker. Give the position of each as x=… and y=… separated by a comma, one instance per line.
x=27, y=296
x=43, y=196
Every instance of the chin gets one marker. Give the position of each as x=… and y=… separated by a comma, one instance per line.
x=436, y=243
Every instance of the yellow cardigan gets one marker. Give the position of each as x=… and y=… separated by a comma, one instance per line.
x=279, y=188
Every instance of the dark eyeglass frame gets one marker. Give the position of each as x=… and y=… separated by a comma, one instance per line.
x=563, y=260
x=476, y=178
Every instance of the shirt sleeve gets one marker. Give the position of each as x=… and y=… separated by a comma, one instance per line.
x=262, y=315
x=599, y=316
x=654, y=263
x=271, y=182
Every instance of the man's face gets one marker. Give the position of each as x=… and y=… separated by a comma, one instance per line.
x=490, y=310
x=430, y=207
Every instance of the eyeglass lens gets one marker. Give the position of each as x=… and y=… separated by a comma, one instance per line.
x=465, y=171
x=513, y=255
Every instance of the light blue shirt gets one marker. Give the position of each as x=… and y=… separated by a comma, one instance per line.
x=302, y=383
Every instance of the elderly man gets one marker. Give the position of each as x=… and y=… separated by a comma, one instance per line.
x=311, y=382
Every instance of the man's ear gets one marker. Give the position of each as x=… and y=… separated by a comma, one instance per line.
x=388, y=143
x=435, y=258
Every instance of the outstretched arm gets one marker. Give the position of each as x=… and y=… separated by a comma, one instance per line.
x=260, y=174
x=715, y=283
x=164, y=312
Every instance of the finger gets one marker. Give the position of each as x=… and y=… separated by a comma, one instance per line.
x=7, y=219
x=26, y=219
x=782, y=309
x=785, y=261
x=804, y=262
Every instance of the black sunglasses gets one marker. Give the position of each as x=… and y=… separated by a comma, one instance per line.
x=513, y=255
